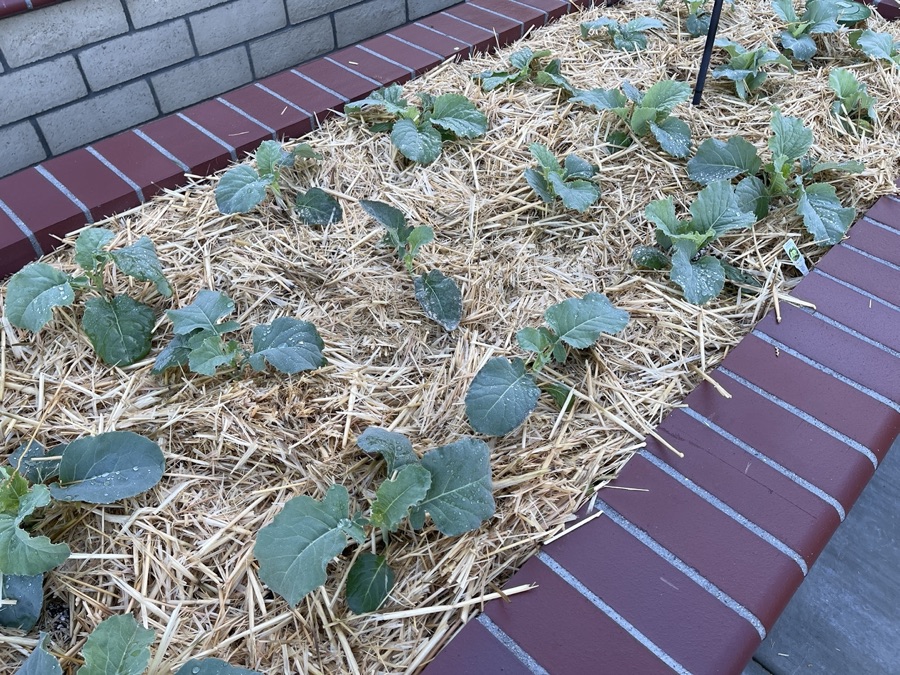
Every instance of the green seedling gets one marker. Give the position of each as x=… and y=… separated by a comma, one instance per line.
x=854, y=107
x=877, y=46
x=745, y=67
x=645, y=113
x=505, y=391
x=788, y=176
x=438, y=294
x=451, y=483
x=630, y=37
x=289, y=345
x=569, y=181
x=527, y=66
x=118, y=326
x=419, y=132
x=819, y=17
x=681, y=243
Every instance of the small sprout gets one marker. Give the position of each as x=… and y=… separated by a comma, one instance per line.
x=854, y=106
x=630, y=37
x=745, y=67
x=526, y=67
x=569, y=181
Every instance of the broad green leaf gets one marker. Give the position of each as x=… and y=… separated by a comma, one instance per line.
x=650, y=257
x=790, y=138
x=20, y=553
x=240, y=189
x=118, y=646
x=296, y=547
x=395, y=448
x=823, y=216
x=176, y=353
x=717, y=160
x=28, y=594
x=492, y=79
x=580, y=322
x=641, y=118
x=269, y=157
x=821, y=15
x=843, y=82
x=785, y=10
x=752, y=195
x=40, y=661
x=33, y=292
x=204, y=315
x=673, y=136
x=879, y=46
x=536, y=339
x=550, y=77
x=661, y=212
x=559, y=393
x=89, y=253
x=290, y=345
x=302, y=151
x=369, y=582
x=576, y=167
x=545, y=158
x=802, y=48
x=317, y=207
x=739, y=276
x=716, y=208
x=139, y=261
x=440, y=298
x=632, y=93
x=458, y=114
x=501, y=396
x=666, y=94
x=697, y=25
x=459, y=499
x=847, y=167
x=701, y=280
x=629, y=41
x=389, y=98
x=120, y=329
x=588, y=26
x=417, y=238
x=523, y=58
x=601, y=99
x=31, y=460
x=13, y=486
x=209, y=351
x=538, y=183
x=212, y=667
x=108, y=467
x=420, y=144
x=579, y=195
x=643, y=23
x=396, y=496
x=388, y=216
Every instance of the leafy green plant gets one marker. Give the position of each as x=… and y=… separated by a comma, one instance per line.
x=119, y=646
x=649, y=113
x=819, y=16
x=526, y=67
x=630, y=37
x=745, y=67
x=451, y=483
x=243, y=188
x=99, y=469
x=854, y=106
x=877, y=46
x=505, y=391
x=788, y=175
x=569, y=181
x=682, y=243
x=419, y=132
x=437, y=293
x=289, y=345
x=118, y=326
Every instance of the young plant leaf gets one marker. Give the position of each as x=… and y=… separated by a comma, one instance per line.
x=601, y=99
x=666, y=94
x=580, y=322
x=823, y=216
x=13, y=486
x=28, y=594
x=176, y=353
x=33, y=292
x=801, y=48
x=139, y=261
x=240, y=189
x=290, y=345
x=421, y=144
x=501, y=396
x=40, y=661
x=31, y=460
x=317, y=207
x=701, y=280
x=440, y=299
x=119, y=329
x=458, y=114
x=878, y=46
x=209, y=352
x=89, y=253
x=108, y=467
x=395, y=448
x=559, y=393
x=390, y=98
x=369, y=582
x=717, y=160
x=212, y=667
x=650, y=257
x=416, y=239
x=270, y=156
x=395, y=497
x=538, y=183
x=118, y=646
x=716, y=208
x=460, y=497
x=576, y=167
x=204, y=315
x=753, y=196
x=295, y=548
x=545, y=158
x=673, y=136
x=20, y=553
x=789, y=137
x=537, y=340
x=578, y=195
x=388, y=216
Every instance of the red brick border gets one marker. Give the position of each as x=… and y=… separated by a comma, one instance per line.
x=11, y=7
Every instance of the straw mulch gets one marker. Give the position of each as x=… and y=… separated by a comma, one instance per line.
x=180, y=556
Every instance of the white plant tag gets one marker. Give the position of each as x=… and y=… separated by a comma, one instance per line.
x=795, y=256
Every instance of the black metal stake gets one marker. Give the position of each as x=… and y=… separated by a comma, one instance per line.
x=707, y=50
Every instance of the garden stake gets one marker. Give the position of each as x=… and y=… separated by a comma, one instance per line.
x=707, y=50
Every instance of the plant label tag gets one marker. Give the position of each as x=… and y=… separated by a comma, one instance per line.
x=795, y=256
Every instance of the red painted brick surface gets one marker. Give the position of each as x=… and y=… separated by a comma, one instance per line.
x=93, y=183
x=142, y=163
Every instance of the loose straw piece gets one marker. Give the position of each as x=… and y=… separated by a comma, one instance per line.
x=584, y=521
x=718, y=387
x=424, y=611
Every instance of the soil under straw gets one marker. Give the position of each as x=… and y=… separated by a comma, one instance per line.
x=180, y=556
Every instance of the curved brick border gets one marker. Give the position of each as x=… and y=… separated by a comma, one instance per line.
x=10, y=7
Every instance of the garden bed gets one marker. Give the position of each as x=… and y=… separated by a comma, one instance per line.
x=239, y=446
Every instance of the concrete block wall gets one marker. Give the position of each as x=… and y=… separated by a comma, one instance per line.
x=75, y=71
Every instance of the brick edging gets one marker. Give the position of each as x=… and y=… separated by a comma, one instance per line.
x=12, y=7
